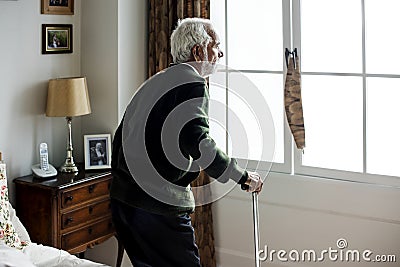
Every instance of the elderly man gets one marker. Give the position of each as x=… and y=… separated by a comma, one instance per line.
x=159, y=148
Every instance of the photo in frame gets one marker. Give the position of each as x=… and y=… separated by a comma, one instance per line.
x=57, y=7
x=56, y=38
x=97, y=148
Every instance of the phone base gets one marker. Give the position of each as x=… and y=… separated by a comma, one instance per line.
x=38, y=172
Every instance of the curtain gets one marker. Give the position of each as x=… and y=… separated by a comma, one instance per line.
x=163, y=17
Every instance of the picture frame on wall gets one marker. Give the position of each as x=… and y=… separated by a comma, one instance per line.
x=57, y=7
x=56, y=38
x=97, y=149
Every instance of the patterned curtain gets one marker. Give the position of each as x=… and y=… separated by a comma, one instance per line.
x=163, y=17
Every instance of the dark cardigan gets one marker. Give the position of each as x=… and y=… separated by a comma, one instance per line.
x=187, y=105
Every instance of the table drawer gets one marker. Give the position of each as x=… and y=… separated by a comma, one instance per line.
x=85, y=193
x=85, y=214
x=87, y=234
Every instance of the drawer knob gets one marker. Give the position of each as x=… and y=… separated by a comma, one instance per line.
x=69, y=198
x=90, y=210
x=69, y=220
x=90, y=230
x=91, y=188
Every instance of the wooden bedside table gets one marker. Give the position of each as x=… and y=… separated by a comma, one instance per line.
x=70, y=212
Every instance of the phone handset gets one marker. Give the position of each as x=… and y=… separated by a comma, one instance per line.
x=44, y=157
x=43, y=169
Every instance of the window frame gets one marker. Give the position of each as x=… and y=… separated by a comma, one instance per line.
x=291, y=27
x=364, y=176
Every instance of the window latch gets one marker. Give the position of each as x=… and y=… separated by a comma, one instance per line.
x=294, y=55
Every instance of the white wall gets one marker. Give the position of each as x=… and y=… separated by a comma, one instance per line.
x=132, y=50
x=100, y=63
x=303, y=213
x=114, y=45
x=24, y=75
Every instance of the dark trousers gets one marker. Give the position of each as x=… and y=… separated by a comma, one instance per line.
x=153, y=240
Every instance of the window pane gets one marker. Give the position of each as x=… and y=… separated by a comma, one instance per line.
x=331, y=36
x=333, y=116
x=251, y=108
x=255, y=35
x=271, y=87
x=382, y=38
x=217, y=109
x=383, y=129
x=217, y=16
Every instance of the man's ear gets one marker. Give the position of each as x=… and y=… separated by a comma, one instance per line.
x=197, y=53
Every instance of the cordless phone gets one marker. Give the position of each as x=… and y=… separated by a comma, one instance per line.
x=43, y=169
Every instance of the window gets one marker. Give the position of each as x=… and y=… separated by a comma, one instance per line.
x=262, y=76
x=350, y=82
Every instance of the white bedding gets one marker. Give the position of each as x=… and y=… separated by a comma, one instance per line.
x=11, y=257
x=40, y=256
x=45, y=256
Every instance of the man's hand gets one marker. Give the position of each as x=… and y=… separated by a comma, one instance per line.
x=254, y=182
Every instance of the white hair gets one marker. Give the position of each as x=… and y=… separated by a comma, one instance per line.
x=188, y=33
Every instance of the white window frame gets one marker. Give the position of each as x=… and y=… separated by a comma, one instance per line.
x=291, y=20
x=362, y=177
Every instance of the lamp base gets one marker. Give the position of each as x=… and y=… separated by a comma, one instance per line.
x=69, y=165
x=69, y=168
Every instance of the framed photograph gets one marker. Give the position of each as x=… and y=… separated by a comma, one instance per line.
x=56, y=38
x=57, y=7
x=97, y=151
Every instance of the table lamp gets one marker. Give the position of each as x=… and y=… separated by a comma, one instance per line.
x=68, y=97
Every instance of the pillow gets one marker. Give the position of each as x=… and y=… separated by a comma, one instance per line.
x=18, y=226
x=8, y=235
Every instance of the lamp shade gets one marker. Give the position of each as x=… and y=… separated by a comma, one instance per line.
x=67, y=97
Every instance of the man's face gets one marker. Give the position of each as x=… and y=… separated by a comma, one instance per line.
x=211, y=56
x=213, y=50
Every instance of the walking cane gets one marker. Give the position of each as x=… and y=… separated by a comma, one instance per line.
x=256, y=230
x=254, y=196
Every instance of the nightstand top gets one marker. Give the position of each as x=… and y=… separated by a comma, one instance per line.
x=62, y=180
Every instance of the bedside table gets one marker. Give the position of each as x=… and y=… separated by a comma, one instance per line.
x=69, y=212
